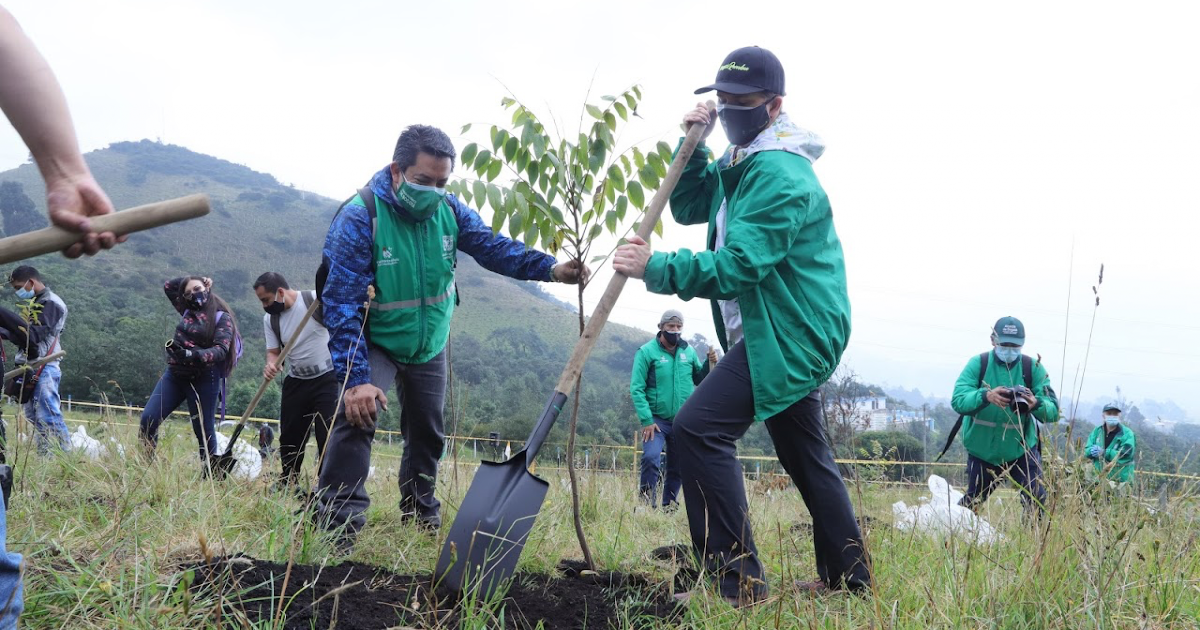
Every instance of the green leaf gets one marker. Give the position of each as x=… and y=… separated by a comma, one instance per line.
x=493, y=133
x=621, y=207
x=506, y=102
x=609, y=98
x=658, y=227
x=631, y=101
x=639, y=160
x=497, y=222
x=482, y=160
x=610, y=221
x=621, y=111
x=656, y=162
x=596, y=230
x=610, y=120
x=625, y=163
x=595, y=111
x=616, y=177
x=521, y=201
x=495, y=196
x=557, y=215
x=494, y=169
x=637, y=91
x=468, y=154
x=510, y=150
x=637, y=196
x=518, y=116
x=514, y=226
x=466, y=128
x=666, y=152
x=649, y=177
x=480, y=191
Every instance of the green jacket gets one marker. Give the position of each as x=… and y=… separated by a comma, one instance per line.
x=995, y=435
x=661, y=381
x=782, y=261
x=1120, y=451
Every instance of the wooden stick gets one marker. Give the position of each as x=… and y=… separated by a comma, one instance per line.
x=35, y=364
x=262, y=389
x=151, y=215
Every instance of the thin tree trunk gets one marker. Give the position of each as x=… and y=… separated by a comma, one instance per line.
x=576, y=516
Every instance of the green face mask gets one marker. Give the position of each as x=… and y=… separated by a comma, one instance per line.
x=421, y=201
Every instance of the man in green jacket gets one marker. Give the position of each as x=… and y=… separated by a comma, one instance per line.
x=775, y=274
x=1112, y=447
x=665, y=371
x=1002, y=394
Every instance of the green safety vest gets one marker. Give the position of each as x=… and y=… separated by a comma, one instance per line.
x=414, y=282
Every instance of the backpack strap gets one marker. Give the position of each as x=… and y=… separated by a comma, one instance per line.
x=275, y=328
x=1027, y=371
x=983, y=365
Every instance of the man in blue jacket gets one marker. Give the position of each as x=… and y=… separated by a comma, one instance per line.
x=400, y=235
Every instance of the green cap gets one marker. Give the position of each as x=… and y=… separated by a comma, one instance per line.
x=1111, y=407
x=1009, y=330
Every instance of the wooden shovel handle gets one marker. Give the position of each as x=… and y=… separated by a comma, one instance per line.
x=595, y=324
x=262, y=388
x=36, y=364
x=151, y=215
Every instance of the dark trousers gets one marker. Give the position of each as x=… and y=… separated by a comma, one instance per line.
x=306, y=407
x=421, y=388
x=706, y=431
x=200, y=390
x=652, y=465
x=1025, y=471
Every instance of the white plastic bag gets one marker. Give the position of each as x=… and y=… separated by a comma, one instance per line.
x=81, y=442
x=940, y=514
x=249, y=462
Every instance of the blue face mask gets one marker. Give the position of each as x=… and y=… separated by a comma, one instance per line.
x=1007, y=354
x=25, y=294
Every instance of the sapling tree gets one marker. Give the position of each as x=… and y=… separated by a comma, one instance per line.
x=563, y=193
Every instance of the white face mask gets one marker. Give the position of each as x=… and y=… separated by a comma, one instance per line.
x=1008, y=354
x=1112, y=421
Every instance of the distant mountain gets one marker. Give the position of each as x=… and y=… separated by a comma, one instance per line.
x=509, y=342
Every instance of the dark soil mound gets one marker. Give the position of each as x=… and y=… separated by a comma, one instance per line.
x=363, y=597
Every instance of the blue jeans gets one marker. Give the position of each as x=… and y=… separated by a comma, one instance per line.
x=11, y=590
x=1026, y=472
x=652, y=465
x=200, y=391
x=45, y=412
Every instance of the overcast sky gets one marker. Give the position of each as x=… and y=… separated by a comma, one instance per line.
x=971, y=148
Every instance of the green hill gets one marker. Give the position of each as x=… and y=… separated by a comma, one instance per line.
x=509, y=342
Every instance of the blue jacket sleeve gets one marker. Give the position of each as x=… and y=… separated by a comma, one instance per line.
x=347, y=253
x=496, y=252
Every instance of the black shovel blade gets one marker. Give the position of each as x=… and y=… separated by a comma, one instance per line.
x=222, y=465
x=491, y=527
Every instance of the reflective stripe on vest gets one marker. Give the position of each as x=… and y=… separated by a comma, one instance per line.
x=392, y=306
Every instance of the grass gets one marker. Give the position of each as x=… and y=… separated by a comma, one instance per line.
x=104, y=542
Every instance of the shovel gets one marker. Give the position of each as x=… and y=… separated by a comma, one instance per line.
x=498, y=511
x=223, y=464
x=151, y=215
x=35, y=364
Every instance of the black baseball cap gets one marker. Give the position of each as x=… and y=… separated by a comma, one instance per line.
x=748, y=70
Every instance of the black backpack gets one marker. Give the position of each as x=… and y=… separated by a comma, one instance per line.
x=1026, y=375
x=368, y=199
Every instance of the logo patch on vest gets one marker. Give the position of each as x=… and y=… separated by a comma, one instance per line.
x=386, y=257
x=447, y=247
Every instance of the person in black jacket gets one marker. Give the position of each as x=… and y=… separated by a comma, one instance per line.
x=196, y=362
x=40, y=336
